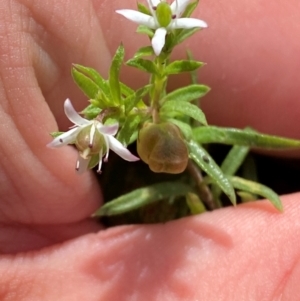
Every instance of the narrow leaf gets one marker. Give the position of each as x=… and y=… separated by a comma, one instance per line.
x=231, y=164
x=144, y=51
x=189, y=93
x=145, y=30
x=194, y=203
x=88, y=86
x=125, y=90
x=143, y=9
x=201, y=157
x=234, y=159
x=143, y=196
x=183, y=34
x=189, y=9
x=132, y=100
x=185, y=128
x=185, y=108
x=213, y=134
x=128, y=129
x=182, y=66
x=256, y=188
x=90, y=112
x=194, y=77
x=142, y=64
x=95, y=77
x=114, y=71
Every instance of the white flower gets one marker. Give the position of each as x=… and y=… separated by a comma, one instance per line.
x=164, y=18
x=92, y=139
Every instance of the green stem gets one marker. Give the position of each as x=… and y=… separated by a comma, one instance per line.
x=159, y=84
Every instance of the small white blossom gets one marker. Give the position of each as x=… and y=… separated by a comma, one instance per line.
x=164, y=18
x=92, y=138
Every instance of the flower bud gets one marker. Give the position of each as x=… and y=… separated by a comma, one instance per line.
x=162, y=147
x=90, y=142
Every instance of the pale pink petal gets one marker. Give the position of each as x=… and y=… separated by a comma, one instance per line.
x=82, y=164
x=73, y=116
x=100, y=162
x=153, y=3
x=187, y=23
x=108, y=129
x=179, y=6
x=65, y=138
x=138, y=17
x=120, y=150
x=158, y=40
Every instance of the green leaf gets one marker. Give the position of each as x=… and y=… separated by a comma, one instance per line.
x=144, y=51
x=125, y=90
x=132, y=100
x=185, y=128
x=201, y=157
x=55, y=134
x=189, y=93
x=128, y=129
x=182, y=66
x=143, y=196
x=256, y=188
x=114, y=71
x=194, y=77
x=95, y=77
x=145, y=30
x=90, y=112
x=234, y=159
x=143, y=9
x=185, y=108
x=142, y=64
x=189, y=9
x=183, y=34
x=194, y=203
x=213, y=134
x=231, y=164
x=87, y=85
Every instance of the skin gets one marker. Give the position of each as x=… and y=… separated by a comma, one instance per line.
x=50, y=249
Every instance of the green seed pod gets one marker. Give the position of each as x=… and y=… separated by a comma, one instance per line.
x=163, y=14
x=90, y=142
x=162, y=147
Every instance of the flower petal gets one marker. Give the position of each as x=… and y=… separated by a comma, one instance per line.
x=158, y=41
x=138, y=17
x=82, y=164
x=120, y=150
x=73, y=116
x=107, y=129
x=178, y=7
x=153, y=3
x=65, y=138
x=187, y=23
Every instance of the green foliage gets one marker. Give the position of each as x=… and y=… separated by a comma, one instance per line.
x=145, y=30
x=172, y=106
x=182, y=66
x=142, y=64
x=114, y=75
x=262, y=190
x=129, y=129
x=187, y=94
x=194, y=203
x=144, y=51
x=154, y=104
x=143, y=9
x=213, y=134
x=142, y=197
x=202, y=158
x=91, y=112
